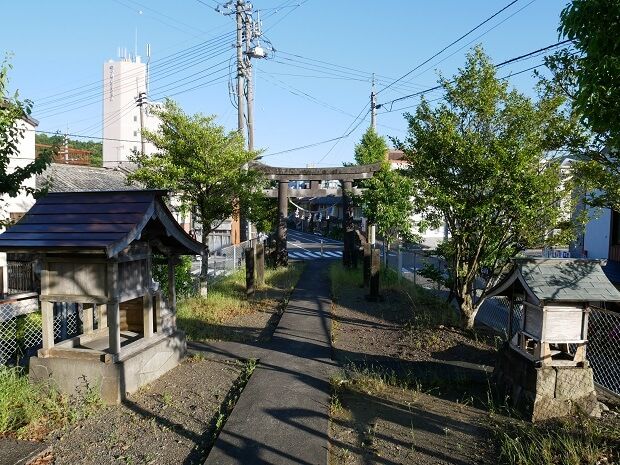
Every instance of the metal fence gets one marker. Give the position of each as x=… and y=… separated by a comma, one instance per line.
x=228, y=259
x=21, y=329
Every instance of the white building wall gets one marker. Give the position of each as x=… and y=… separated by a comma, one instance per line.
x=123, y=81
x=597, y=233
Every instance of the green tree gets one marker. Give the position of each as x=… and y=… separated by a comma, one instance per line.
x=202, y=165
x=386, y=199
x=480, y=161
x=590, y=76
x=12, y=111
x=371, y=149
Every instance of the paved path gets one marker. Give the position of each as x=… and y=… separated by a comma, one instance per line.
x=282, y=414
x=306, y=246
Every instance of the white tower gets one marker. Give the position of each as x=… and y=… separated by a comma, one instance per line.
x=123, y=81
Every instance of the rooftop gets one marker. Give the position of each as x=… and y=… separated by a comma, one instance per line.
x=103, y=222
x=559, y=280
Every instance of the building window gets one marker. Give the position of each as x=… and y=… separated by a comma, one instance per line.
x=135, y=118
x=135, y=133
x=135, y=148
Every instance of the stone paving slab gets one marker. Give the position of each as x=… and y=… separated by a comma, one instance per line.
x=282, y=415
x=14, y=452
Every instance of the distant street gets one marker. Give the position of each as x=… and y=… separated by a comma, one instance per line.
x=305, y=246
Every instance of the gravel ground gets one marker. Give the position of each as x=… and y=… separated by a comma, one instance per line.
x=169, y=421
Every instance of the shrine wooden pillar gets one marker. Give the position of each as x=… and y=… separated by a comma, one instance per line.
x=347, y=223
x=281, y=251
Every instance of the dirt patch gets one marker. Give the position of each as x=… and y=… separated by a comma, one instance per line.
x=394, y=329
x=413, y=382
x=169, y=421
x=393, y=425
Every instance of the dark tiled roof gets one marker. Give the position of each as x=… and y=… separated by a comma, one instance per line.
x=103, y=221
x=73, y=178
x=560, y=280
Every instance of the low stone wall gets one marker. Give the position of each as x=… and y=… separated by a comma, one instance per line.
x=145, y=362
x=545, y=392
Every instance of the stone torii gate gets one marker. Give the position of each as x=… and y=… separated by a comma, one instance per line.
x=346, y=175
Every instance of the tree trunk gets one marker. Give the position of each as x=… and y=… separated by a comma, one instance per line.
x=468, y=310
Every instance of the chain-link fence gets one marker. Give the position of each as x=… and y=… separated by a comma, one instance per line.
x=20, y=327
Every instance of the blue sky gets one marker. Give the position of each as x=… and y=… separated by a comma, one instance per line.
x=59, y=48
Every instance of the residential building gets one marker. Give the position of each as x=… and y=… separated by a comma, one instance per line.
x=431, y=237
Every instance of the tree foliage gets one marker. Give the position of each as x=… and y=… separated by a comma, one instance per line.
x=12, y=112
x=371, y=149
x=590, y=75
x=479, y=161
x=201, y=164
x=386, y=199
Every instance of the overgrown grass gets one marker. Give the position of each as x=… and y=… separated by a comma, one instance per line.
x=198, y=316
x=29, y=410
x=424, y=308
x=576, y=440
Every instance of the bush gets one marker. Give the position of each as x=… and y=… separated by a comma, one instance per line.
x=185, y=281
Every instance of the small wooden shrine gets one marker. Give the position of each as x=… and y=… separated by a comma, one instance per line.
x=96, y=250
x=544, y=364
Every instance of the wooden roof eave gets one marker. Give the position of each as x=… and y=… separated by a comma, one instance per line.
x=134, y=234
x=509, y=281
x=174, y=230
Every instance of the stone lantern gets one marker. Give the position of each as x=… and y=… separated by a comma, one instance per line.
x=543, y=366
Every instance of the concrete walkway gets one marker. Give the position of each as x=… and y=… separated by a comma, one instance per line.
x=282, y=414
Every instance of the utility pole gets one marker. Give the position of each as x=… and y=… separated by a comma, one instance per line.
x=373, y=105
x=249, y=82
x=141, y=102
x=240, y=65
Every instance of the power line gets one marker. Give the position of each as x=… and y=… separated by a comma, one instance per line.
x=503, y=63
x=473, y=40
x=449, y=45
x=159, y=65
x=347, y=131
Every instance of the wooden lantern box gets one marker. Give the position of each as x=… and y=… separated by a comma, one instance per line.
x=552, y=334
x=543, y=367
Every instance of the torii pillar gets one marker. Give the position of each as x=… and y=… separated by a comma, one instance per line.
x=281, y=250
x=347, y=224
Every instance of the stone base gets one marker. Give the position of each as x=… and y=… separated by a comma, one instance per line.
x=146, y=361
x=545, y=392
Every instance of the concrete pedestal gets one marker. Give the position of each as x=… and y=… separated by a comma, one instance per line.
x=138, y=364
x=545, y=392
